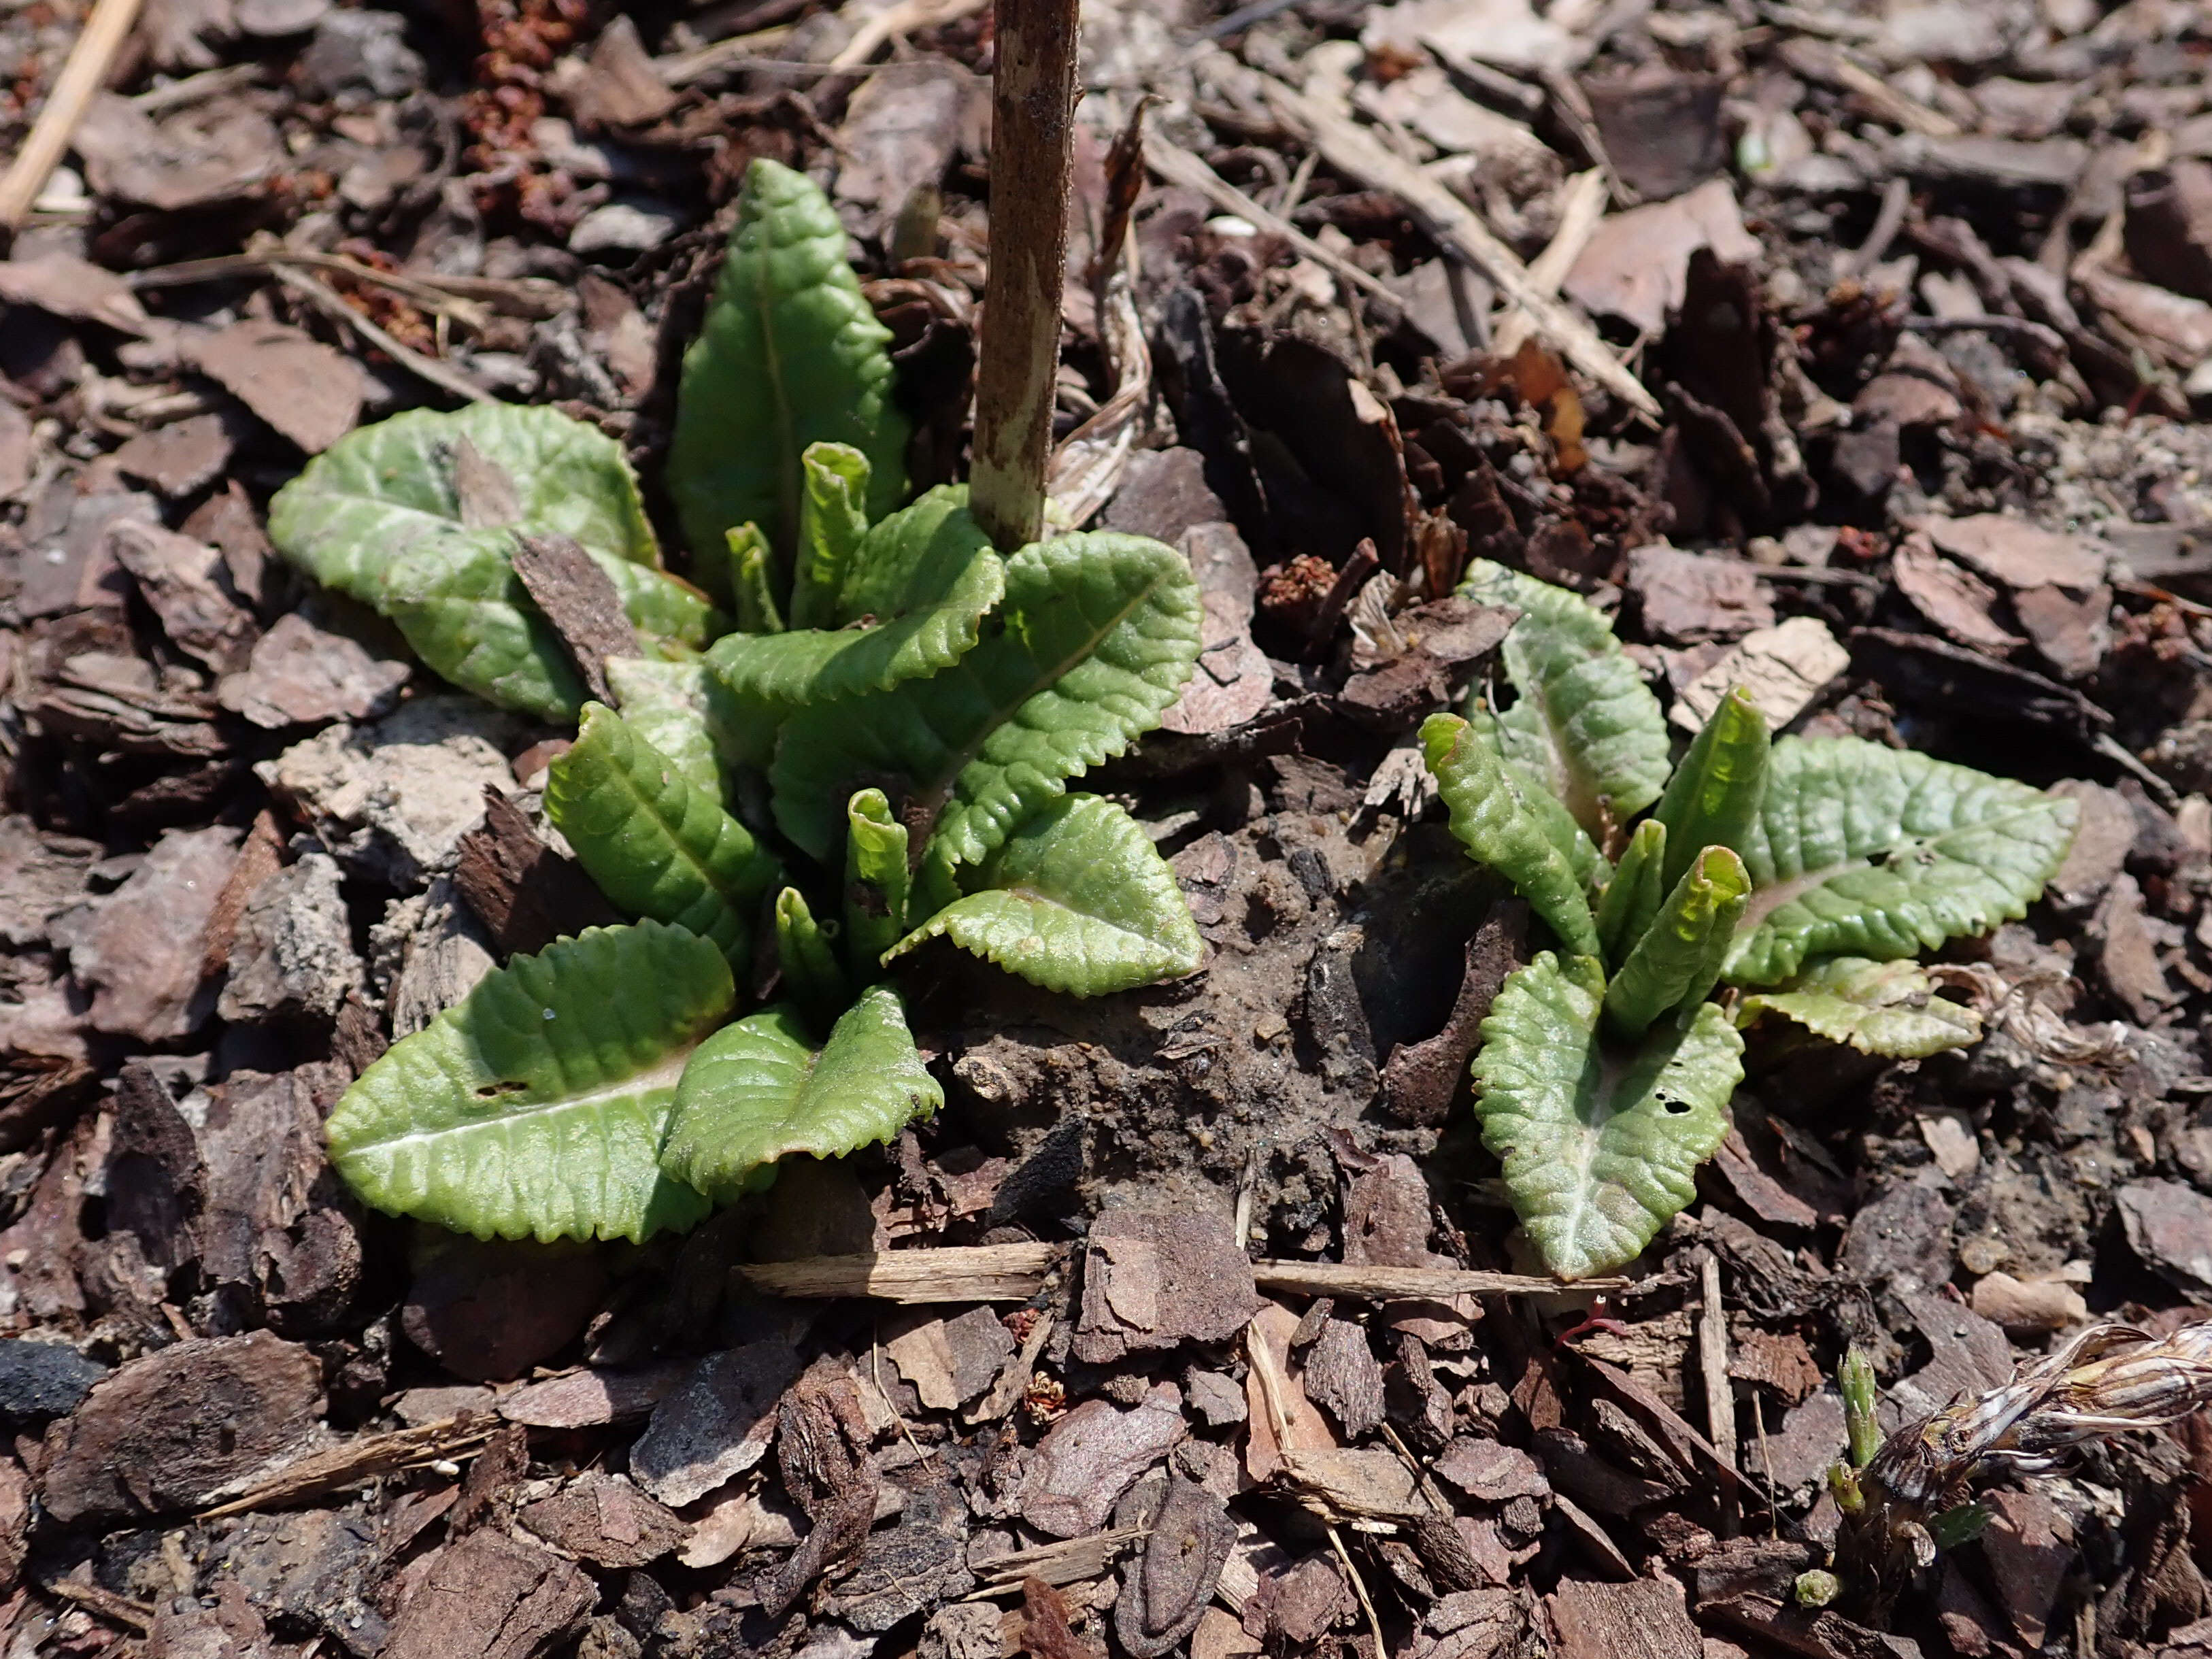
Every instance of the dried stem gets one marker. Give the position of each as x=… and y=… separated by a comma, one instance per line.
x=80, y=79
x=1032, y=133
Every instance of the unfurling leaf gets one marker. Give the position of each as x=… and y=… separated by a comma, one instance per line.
x=812, y=975
x=877, y=880
x=1862, y=850
x=536, y=1107
x=1491, y=816
x=832, y=518
x=789, y=355
x=1077, y=900
x=1862, y=1392
x=1599, y=1146
x=1634, y=893
x=1097, y=635
x=657, y=844
x=759, y=1091
x=1714, y=797
x=924, y=578
x=1877, y=1007
x=1677, y=959
x=752, y=592
x=1585, y=726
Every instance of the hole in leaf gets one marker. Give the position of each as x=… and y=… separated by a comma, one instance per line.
x=504, y=1086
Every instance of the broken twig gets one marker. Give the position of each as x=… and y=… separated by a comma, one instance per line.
x=980, y=1273
x=74, y=88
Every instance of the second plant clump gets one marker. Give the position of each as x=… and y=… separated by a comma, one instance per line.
x=1805, y=873
x=913, y=703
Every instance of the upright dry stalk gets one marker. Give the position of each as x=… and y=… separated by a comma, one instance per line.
x=1032, y=133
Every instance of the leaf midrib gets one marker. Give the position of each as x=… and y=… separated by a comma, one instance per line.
x=664, y=1073
x=936, y=795
x=1765, y=901
x=787, y=482
x=626, y=778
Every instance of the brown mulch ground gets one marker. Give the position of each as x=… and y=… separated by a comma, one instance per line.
x=1921, y=295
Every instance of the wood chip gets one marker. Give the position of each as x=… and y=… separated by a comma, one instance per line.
x=579, y=600
x=1784, y=668
x=308, y=391
x=64, y=285
x=526, y=894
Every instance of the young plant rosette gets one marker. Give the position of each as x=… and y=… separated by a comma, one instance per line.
x=1798, y=878
x=898, y=707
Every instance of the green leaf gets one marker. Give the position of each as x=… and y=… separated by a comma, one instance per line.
x=1599, y=1146
x=535, y=1108
x=789, y=355
x=876, y=880
x=1096, y=635
x=1631, y=899
x=683, y=710
x=1677, y=959
x=1491, y=818
x=1713, y=798
x=926, y=576
x=832, y=518
x=1877, y=1007
x=752, y=589
x=657, y=844
x=1862, y=850
x=460, y=605
x=1586, y=726
x=1077, y=900
x=759, y=1090
x=422, y=476
x=812, y=975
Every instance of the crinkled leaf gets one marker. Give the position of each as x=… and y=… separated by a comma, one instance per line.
x=1713, y=798
x=813, y=976
x=1863, y=850
x=1077, y=900
x=1877, y=1007
x=535, y=1108
x=462, y=609
x=381, y=491
x=1599, y=1144
x=1096, y=637
x=657, y=844
x=789, y=355
x=1635, y=891
x=759, y=1090
x=832, y=518
x=877, y=880
x=684, y=712
x=1676, y=960
x=926, y=574
x=1585, y=724
x=1491, y=818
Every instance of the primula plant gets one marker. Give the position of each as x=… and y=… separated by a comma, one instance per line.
x=908, y=704
x=1795, y=878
